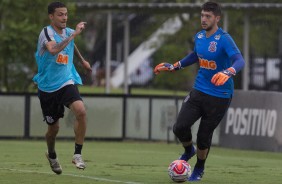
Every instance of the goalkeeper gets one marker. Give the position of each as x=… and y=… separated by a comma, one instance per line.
x=220, y=60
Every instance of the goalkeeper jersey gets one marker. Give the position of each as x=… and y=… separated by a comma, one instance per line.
x=214, y=55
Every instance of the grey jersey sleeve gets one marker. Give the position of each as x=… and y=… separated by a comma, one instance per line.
x=46, y=35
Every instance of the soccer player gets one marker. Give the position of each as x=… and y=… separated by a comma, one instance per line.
x=220, y=60
x=57, y=79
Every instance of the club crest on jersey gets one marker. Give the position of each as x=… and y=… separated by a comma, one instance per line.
x=217, y=37
x=201, y=35
x=212, y=47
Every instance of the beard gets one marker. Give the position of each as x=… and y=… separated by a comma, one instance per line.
x=208, y=28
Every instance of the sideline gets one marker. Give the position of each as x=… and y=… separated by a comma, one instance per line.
x=72, y=175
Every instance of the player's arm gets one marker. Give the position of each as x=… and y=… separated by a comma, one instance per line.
x=236, y=59
x=189, y=60
x=238, y=62
x=186, y=61
x=54, y=48
x=83, y=62
x=221, y=77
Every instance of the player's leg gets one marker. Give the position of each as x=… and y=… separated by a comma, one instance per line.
x=73, y=100
x=189, y=113
x=214, y=110
x=50, y=138
x=79, y=129
x=51, y=155
x=79, y=111
x=52, y=111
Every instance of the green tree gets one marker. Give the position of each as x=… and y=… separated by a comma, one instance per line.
x=20, y=24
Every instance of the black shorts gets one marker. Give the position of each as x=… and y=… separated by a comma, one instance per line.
x=197, y=105
x=52, y=104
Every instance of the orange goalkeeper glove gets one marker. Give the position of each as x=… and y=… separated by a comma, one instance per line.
x=221, y=77
x=167, y=67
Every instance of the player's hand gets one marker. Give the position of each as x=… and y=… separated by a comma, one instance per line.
x=87, y=67
x=221, y=77
x=79, y=27
x=166, y=67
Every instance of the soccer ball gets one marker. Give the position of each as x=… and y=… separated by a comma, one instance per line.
x=179, y=170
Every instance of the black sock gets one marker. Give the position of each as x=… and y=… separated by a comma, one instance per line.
x=188, y=149
x=78, y=148
x=52, y=155
x=200, y=163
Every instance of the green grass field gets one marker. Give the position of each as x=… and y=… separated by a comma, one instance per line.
x=24, y=162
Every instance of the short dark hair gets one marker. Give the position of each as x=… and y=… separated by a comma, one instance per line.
x=52, y=6
x=212, y=7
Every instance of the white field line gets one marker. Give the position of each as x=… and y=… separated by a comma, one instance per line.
x=72, y=175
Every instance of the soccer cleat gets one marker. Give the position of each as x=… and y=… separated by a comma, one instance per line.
x=54, y=164
x=186, y=156
x=197, y=174
x=78, y=161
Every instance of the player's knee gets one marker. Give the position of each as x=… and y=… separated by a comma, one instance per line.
x=53, y=130
x=203, y=141
x=202, y=145
x=182, y=133
x=81, y=113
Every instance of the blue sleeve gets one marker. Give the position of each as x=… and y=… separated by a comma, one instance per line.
x=238, y=62
x=230, y=46
x=189, y=59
